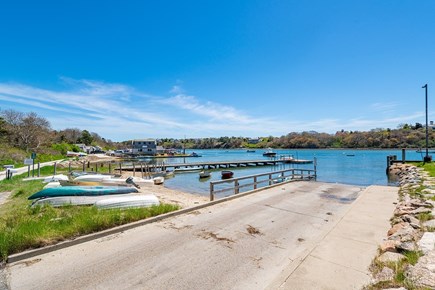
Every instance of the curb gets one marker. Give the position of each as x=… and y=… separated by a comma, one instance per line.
x=82, y=239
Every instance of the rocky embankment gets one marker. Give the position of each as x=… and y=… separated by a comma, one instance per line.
x=407, y=255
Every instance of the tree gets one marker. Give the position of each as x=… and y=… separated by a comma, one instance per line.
x=26, y=131
x=86, y=137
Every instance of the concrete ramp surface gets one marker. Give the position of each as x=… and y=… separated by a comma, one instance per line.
x=270, y=239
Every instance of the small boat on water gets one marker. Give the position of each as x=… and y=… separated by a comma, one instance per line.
x=287, y=159
x=193, y=154
x=227, y=174
x=131, y=201
x=269, y=153
x=188, y=169
x=82, y=191
x=204, y=174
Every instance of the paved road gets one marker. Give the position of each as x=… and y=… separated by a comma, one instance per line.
x=24, y=169
x=245, y=243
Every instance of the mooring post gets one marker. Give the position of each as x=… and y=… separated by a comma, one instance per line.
x=54, y=168
x=211, y=191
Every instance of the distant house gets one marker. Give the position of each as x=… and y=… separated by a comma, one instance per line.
x=144, y=146
x=254, y=141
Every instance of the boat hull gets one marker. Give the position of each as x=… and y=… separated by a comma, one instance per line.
x=82, y=191
x=227, y=174
x=128, y=202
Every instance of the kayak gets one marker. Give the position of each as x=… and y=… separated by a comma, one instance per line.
x=82, y=191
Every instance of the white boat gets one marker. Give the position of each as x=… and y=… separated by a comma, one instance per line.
x=58, y=201
x=287, y=159
x=269, y=152
x=52, y=184
x=188, y=169
x=204, y=174
x=92, y=177
x=55, y=178
x=109, y=180
x=128, y=201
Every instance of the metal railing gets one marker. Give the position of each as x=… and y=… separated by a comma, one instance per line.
x=262, y=180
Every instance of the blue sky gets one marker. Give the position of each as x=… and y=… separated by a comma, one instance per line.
x=138, y=69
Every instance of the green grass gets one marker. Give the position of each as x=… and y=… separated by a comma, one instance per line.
x=23, y=227
x=428, y=167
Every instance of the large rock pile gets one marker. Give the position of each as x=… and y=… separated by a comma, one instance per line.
x=413, y=227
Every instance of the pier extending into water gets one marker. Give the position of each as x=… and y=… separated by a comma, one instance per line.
x=262, y=180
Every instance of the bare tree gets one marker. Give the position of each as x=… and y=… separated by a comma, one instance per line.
x=26, y=131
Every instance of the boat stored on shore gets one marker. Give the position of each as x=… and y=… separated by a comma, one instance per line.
x=130, y=201
x=82, y=191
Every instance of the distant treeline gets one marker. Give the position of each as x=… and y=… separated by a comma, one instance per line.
x=406, y=136
x=22, y=133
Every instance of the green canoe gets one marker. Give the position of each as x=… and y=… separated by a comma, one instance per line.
x=82, y=191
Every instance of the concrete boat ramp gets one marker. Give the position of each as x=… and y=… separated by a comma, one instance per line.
x=299, y=235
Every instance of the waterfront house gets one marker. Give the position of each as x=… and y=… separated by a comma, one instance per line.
x=144, y=146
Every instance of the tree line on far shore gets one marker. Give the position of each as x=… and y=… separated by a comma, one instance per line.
x=23, y=133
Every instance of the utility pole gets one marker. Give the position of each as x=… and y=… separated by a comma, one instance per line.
x=427, y=158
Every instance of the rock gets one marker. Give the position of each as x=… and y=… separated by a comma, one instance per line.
x=389, y=246
x=421, y=210
x=386, y=274
x=407, y=246
x=422, y=274
x=427, y=242
x=429, y=223
x=390, y=257
x=404, y=234
x=396, y=228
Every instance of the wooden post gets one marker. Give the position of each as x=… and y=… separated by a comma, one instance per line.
x=69, y=166
x=134, y=170
x=39, y=169
x=54, y=168
x=236, y=186
x=96, y=167
x=211, y=191
x=84, y=164
x=141, y=169
x=403, y=155
x=110, y=167
x=120, y=167
x=270, y=179
x=89, y=164
x=255, y=182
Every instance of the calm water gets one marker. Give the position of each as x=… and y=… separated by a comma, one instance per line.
x=365, y=167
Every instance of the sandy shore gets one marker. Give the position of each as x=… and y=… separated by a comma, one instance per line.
x=164, y=194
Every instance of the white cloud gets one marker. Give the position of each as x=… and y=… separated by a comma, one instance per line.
x=120, y=112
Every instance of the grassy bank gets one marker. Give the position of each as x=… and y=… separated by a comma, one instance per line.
x=23, y=227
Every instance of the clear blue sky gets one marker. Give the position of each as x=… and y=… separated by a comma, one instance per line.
x=137, y=69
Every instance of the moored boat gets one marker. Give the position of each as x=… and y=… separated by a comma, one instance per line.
x=269, y=153
x=204, y=174
x=227, y=174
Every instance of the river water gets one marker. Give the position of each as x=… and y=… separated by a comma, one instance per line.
x=355, y=167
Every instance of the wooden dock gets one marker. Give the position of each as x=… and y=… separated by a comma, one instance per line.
x=216, y=165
